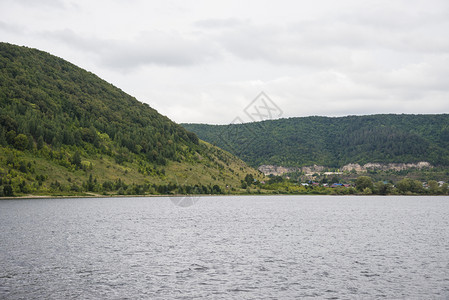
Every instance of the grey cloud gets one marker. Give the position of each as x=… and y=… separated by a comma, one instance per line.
x=321, y=43
x=150, y=48
x=279, y=45
x=331, y=41
x=11, y=28
x=403, y=30
x=271, y=43
x=72, y=39
x=161, y=49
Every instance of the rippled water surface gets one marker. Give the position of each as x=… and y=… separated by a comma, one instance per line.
x=269, y=247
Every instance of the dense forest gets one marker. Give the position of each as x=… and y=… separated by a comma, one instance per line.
x=334, y=141
x=62, y=127
x=52, y=101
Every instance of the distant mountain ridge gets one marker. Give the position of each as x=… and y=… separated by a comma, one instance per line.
x=334, y=141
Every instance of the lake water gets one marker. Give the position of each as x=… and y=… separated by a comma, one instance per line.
x=266, y=247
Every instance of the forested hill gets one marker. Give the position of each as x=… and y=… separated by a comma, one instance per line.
x=61, y=123
x=55, y=102
x=334, y=141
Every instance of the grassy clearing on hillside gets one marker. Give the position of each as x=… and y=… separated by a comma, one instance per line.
x=37, y=172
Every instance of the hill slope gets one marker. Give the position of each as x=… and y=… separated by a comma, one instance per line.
x=65, y=129
x=334, y=142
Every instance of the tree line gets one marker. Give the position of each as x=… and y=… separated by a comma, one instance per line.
x=362, y=185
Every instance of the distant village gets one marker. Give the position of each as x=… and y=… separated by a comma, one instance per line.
x=348, y=185
x=320, y=176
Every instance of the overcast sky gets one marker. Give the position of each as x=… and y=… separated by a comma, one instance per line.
x=205, y=61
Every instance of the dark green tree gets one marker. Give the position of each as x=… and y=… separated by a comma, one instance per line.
x=249, y=179
x=408, y=185
x=364, y=182
x=40, y=142
x=21, y=141
x=433, y=187
x=7, y=190
x=76, y=159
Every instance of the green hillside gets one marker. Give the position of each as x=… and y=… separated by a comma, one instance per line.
x=65, y=130
x=334, y=142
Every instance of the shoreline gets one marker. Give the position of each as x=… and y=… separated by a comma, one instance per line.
x=98, y=196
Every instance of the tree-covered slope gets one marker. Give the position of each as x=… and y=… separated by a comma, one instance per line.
x=46, y=97
x=334, y=141
x=56, y=116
